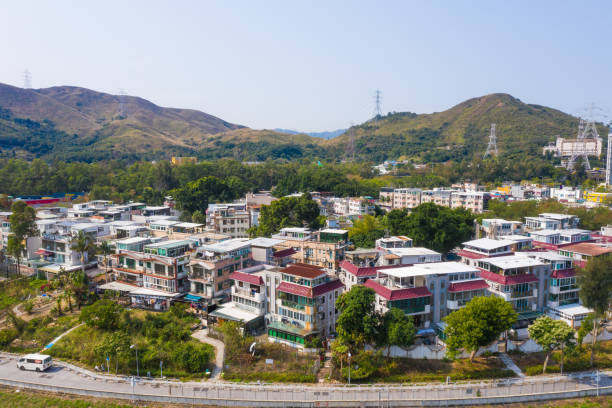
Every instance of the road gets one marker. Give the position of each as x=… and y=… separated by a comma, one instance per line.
x=66, y=378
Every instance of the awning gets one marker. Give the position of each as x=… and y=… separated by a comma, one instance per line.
x=193, y=298
x=44, y=252
x=118, y=286
x=423, y=332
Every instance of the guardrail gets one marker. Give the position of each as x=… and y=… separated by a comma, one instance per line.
x=260, y=398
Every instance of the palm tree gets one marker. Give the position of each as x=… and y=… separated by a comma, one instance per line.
x=106, y=250
x=82, y=243
x=78, y=286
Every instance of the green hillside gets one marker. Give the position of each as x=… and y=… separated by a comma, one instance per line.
x=462, y=131
x=71, y=123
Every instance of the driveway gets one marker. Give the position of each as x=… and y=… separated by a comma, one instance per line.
x=202, y=335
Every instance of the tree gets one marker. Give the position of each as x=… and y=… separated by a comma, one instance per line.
x=196, y=195
x=395, y=221
x=478, y=324
x=595, y=282
x=439, y=228
x=23, y=225
x=198, y=217
x=398, y=330
x=366, y=231
x=287, y=212
x=103, y=314
x=78, y=284
x=106, y=250
x=15, y=248
x=551, y=334
x=358, y=323
x=81, y=243
x=114, y=344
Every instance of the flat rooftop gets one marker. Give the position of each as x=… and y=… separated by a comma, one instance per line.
x=488, y=243
x=512, y=261
x=433, y=268
x=169, y=244
x=227, y=245
x=264, y=242
x=412, y=251
x=134, y=240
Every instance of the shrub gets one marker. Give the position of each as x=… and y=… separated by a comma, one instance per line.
x=7, y=336
x=104, y=314
x=537, y=369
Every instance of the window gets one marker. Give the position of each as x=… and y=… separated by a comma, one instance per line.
x=219, y=272
x=220, y=286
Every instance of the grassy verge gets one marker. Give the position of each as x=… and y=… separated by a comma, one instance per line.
x=287, y=365
x=375, y=368
x=579, y=360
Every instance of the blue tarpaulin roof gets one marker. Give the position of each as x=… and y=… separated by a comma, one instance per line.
x=193, y=298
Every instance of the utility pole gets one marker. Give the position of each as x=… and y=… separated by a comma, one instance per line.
x=492, y=146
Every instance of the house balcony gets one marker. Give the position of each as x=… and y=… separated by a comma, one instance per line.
x=414, y=310
x=555, y=290
x=452, y=304
x=256, y=296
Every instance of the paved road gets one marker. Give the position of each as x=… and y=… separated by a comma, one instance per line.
x=219, y=346
x=65, y=375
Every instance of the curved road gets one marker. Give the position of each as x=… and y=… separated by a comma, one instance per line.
x=73, y=380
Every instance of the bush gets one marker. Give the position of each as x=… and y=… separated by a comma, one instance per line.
x=537, y=369
x=28, y=306
x=270, y=377
x=7, y=336
x=104, y=314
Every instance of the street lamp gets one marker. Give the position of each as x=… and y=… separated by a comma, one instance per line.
x=349, y=359
x=133, y=346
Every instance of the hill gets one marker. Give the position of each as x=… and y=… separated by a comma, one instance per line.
x=322, y=135
x=462, y=131
x=71, y=123
x=75, y=123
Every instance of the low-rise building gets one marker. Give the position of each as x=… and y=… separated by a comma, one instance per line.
x=232, y=219
x=306, y=305
x=496, y=227
x=211, y=265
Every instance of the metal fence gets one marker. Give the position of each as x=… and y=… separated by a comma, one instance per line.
x=270, y=396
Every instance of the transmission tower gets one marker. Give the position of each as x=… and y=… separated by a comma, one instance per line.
x=492, y=146
x=586, y=131
x=122, y=111
x=377, y=105
x=350, y=147
x=609, y=158
x=27, y=79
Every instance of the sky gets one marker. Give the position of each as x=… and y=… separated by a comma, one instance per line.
x=314, y=65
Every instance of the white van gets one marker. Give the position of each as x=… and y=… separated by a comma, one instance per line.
x=34, y=362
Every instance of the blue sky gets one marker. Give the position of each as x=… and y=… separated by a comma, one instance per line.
x=314, y=65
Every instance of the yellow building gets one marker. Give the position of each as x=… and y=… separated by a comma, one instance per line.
x=504, y=190
x=177, y=161
x=596, y=197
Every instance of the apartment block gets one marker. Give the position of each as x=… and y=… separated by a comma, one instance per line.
x=233, y=219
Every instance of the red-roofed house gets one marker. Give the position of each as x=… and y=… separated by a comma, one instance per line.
x=357, y=275
x=305, y=305
x=415, y=301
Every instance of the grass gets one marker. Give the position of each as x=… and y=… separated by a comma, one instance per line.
x=531, y=363
x=405, y=370
x=288, y=366
x=34, y=399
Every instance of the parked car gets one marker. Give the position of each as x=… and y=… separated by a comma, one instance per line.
x=35, y=362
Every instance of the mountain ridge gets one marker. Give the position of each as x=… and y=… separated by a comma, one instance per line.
x=73, y=123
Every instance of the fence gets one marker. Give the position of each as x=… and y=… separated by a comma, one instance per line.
x=263, y=396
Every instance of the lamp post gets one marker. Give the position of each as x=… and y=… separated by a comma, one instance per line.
x=349, y=359
x=133, y=346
